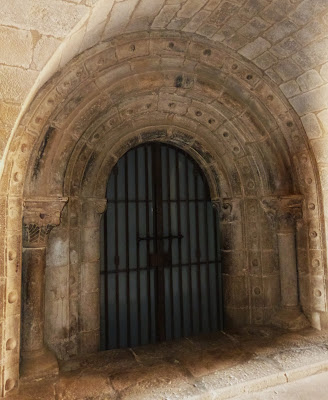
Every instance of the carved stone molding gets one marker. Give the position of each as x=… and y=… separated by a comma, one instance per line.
x=283, y=212
x=39, y=217
x=228, y=209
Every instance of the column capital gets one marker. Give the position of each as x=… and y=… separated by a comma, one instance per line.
x=283, y=211
x=228, y=209
x=40, y=215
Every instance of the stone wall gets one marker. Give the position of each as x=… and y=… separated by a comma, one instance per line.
x=269, y=56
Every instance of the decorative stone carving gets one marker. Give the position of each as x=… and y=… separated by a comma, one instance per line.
x=283, y=211
x=40, y=216
x=227, y=209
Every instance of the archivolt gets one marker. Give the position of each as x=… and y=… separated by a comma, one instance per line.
x=217, y=108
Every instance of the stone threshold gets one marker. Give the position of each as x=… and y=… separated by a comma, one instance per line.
x=217, y=366
x=265, y=382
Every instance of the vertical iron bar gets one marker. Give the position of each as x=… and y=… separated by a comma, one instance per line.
x=209, y=303
x=198, y=251
x=177, y=180
x=158, y=243
x=106, y=277
x=118, y=341
x=217, y=274
x=127, y=249
x=170, y=239
x=138, y=244
x=189, y=244
x=148, y=244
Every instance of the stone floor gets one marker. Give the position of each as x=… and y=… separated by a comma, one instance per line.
x=314, y=387
x=216, y=366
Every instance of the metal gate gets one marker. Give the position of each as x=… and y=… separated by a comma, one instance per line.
x=160, y=270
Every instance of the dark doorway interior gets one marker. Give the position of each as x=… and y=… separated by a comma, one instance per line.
x=160, y=274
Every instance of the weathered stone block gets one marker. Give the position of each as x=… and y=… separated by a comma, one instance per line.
x=10, y=378
x=2, y=297
x=323, y=118
x=190, y=8
x=90, y=244
x=311, y=126
x=17, y=47
x=309, y=80
x=235, y=291
x=252, y=8
x=14, y=249
x=148, y=7
x=276, y=11
x=254, y=27
x=271, y=291
x=12, y=340
x=119, y=17
x=12, y=300
x=15, y=83
x=89, y=312
x=256, y=291
x=196, y=21
x=320, y=149
x=287, y=69
x=165, y=16
x=285, y=48
x=234, y=263
x=313, y=30
x=255, y=48
x=270, y=262
x=290, y=89
x=305, y=11
x=58, y=248
x=314, y=54
x=136, y=49
x=280, y=30
x=304, y=290
x=316, y=262
x=318, y=293
x=54, y=19
x=265, y=60
x=324, y=72
x=236, y=317
x=56, y=323
x=90, y=277
x=89, y=342
x=315, y=100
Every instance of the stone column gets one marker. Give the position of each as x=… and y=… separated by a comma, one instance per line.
x=234, y=279
x=92, y=210
x=283, y=213
x=39, y=217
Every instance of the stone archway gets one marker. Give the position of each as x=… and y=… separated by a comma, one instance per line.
x=194, y=95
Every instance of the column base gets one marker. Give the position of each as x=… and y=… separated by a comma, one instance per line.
x=39, y=364
x=291, y=319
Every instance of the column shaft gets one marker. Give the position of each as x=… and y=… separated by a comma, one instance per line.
x=288, y=269
x=283, y=213
x=33, y=298
x=40, y=216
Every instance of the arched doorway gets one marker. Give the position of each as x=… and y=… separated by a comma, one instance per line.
x=160, y=272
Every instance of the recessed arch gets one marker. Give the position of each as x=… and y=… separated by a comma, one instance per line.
x=234, y=116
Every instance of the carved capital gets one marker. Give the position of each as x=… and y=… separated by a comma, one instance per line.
x=39, y=217
x=284, y=211
x=228, y=209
